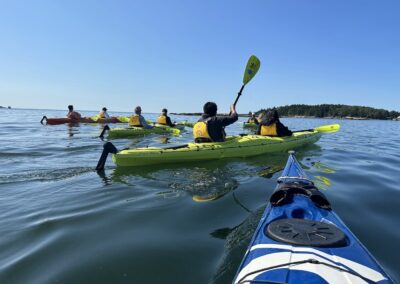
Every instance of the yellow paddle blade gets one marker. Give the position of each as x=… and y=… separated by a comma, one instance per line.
x=94, y=118
x=328, y=128
x=251, y=69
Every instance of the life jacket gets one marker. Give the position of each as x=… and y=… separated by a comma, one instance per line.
x=162, y=119
x=74, y=115
x=134, y=120
x=200, y=131
x=251, y=121
x=102, y=115
x=269, y=130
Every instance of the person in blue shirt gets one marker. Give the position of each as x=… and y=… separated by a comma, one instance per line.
x=138, y=120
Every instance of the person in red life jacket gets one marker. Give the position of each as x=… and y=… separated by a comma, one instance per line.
x=73, y=114
x=138, y=120
x=270, y=125
x=164, y=119
x=252, y=118
x=210, y=127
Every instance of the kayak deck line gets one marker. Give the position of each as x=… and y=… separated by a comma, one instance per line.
x=205, y=147
x=300, y=239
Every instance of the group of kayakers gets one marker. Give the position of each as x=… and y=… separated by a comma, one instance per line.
x=210, y=127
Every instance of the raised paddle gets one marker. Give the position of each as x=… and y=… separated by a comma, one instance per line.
x=253, y=64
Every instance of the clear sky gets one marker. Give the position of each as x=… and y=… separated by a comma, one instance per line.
x=179, y=54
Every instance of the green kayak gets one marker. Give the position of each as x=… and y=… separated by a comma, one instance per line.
x=235, y=146
x=124, y=132
x=186, y=123
x=250, y=125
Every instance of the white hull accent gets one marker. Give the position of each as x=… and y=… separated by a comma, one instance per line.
x=294, y=254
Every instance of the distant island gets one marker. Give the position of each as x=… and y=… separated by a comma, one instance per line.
x=328, y=111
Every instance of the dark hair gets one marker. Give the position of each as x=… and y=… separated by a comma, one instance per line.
x=71, y=107
x=210, y=108
x=104, y=109
x=164, y=110
x=272, y=117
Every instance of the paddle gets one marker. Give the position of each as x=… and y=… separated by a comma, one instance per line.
x=330, y=128
x=253, y=64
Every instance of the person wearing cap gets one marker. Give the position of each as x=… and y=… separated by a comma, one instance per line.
x=164, y=119
x=103, y=113
x=138, y=120
x=252, y=118
x=210, y=127
x=73, y=114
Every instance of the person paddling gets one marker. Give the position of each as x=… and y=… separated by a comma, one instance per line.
x=138, y=120
x=210, y=127
x=270, y=125
x=73, y=114
x=103, y=113
x=164, y=119
x=252, y=118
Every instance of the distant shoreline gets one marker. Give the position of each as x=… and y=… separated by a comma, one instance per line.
x=283, y=116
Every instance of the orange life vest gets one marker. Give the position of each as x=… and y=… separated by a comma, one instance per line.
x=269, y=130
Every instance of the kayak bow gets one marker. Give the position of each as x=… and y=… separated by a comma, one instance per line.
x=301, y=240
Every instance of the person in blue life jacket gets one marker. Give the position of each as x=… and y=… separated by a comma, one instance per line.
x=252, y=118
x=210, y=127
x=138, y=120
x=270, y=125
x=164, y=119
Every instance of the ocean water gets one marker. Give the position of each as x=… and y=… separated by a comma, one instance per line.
x=61, y=222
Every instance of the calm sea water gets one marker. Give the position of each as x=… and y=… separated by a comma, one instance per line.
x=61, y=222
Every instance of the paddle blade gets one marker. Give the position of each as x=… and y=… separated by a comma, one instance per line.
x=328, y=128
x=251, y=69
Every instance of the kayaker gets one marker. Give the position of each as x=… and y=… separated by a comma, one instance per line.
x=73, y=114
x=138, y=120
x=164, y=119
x=210, y=127
x=270, y=125
x=252, y=118
x=103, y=113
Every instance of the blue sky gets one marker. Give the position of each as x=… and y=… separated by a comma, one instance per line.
x=180, y=54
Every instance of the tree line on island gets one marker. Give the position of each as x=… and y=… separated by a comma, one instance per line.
x=328, y=111
x=336, y=111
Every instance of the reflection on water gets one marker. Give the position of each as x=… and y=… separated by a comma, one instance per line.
x=322, y=182
x=126, y=224
x=237, y=240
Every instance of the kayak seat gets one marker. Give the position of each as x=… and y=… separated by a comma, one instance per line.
x=285, y=192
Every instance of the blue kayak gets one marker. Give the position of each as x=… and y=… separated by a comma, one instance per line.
x=301, y=240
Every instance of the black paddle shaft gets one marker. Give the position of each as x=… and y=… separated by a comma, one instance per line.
x=106, y=127
x=107, y=148
x=238, y=96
